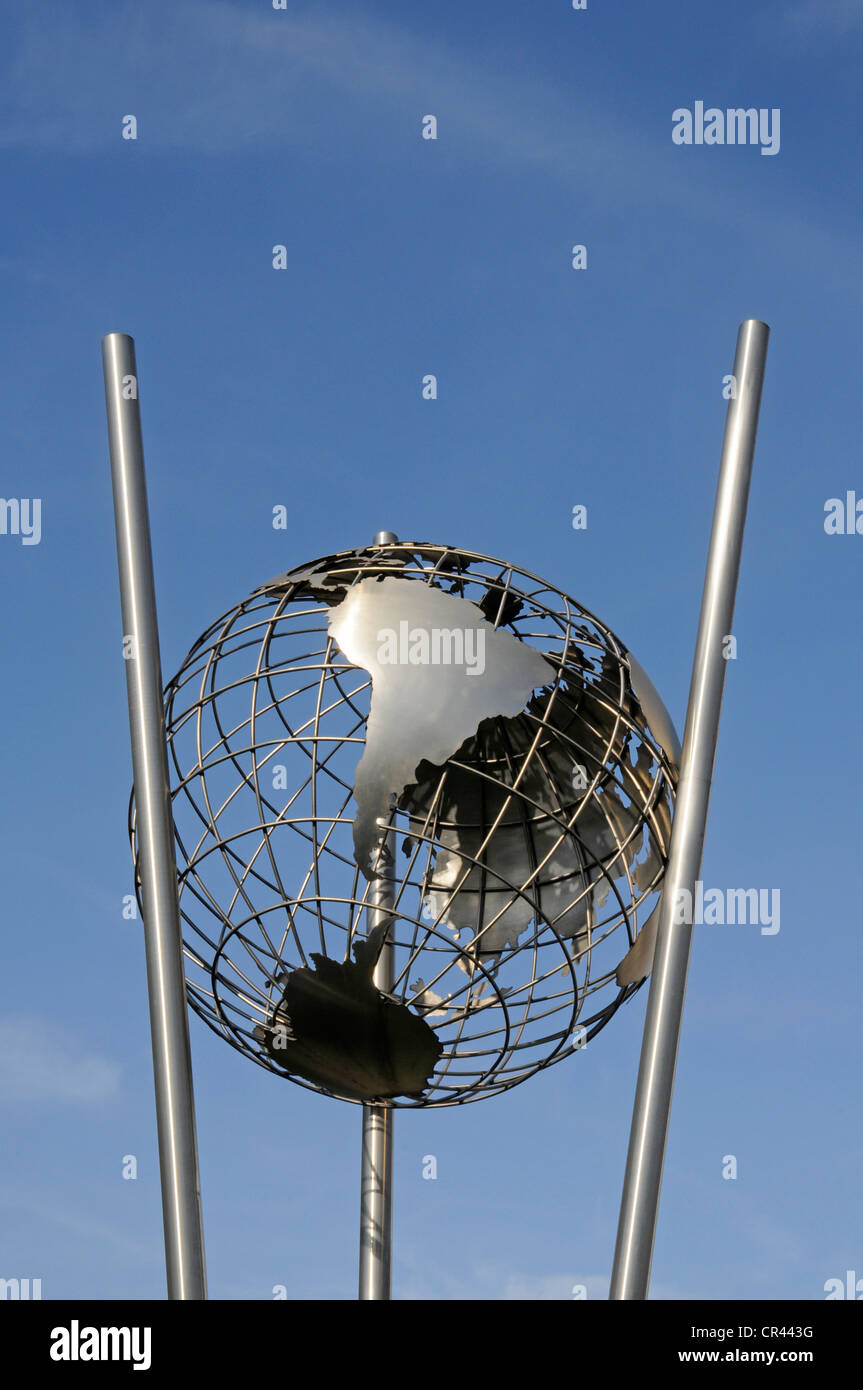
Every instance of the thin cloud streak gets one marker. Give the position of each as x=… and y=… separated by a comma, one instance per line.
x=214, y=80
x=841, y=17
x=39, y=1061
x=88, y=1227
x=422, y=1280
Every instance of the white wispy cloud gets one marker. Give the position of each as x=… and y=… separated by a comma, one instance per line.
x=209, y=78
x=542, y=1287
x=39, y=1060
x=86, y=1225
x=419, y=1279
x=839, y=17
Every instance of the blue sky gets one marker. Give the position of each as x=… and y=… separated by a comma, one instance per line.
x=303, y=387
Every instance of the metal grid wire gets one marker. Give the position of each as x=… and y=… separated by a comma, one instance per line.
x=265, y=724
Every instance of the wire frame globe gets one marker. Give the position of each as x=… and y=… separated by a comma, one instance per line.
x=524, y=868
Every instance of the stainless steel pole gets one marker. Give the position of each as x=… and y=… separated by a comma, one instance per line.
x=640, y=1203
x=172, y=1063
x=376, y=1203
x=376, y=1189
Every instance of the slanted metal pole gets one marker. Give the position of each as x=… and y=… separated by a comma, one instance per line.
x=376, y=1199
x=172, y=1062
x=640, y=1203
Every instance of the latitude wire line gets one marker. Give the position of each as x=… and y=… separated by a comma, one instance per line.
x=528, y=756
x=527, y=831
x=503, y=956
x=217, y=911
x=473, y=863
x=430, y=930
x=314, y=793
x=211, y=823
x=263, y=651
x=415, y=950
x=464, y=1012
x=208, y=674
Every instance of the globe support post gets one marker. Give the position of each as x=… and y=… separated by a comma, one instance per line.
x=642, y=1183
x=376, y=1202
x=172, y=1064
x=376, y=1178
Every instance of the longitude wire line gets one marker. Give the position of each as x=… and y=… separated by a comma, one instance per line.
x=527, y=831
x=285, y=897
x=225, y=845
x=210, y=669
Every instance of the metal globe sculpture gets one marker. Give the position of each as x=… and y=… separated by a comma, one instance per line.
x=415, y=753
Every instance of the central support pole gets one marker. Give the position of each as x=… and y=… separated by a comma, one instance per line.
x=376, y=1210
x=376, y=1192
x=633, y=1254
